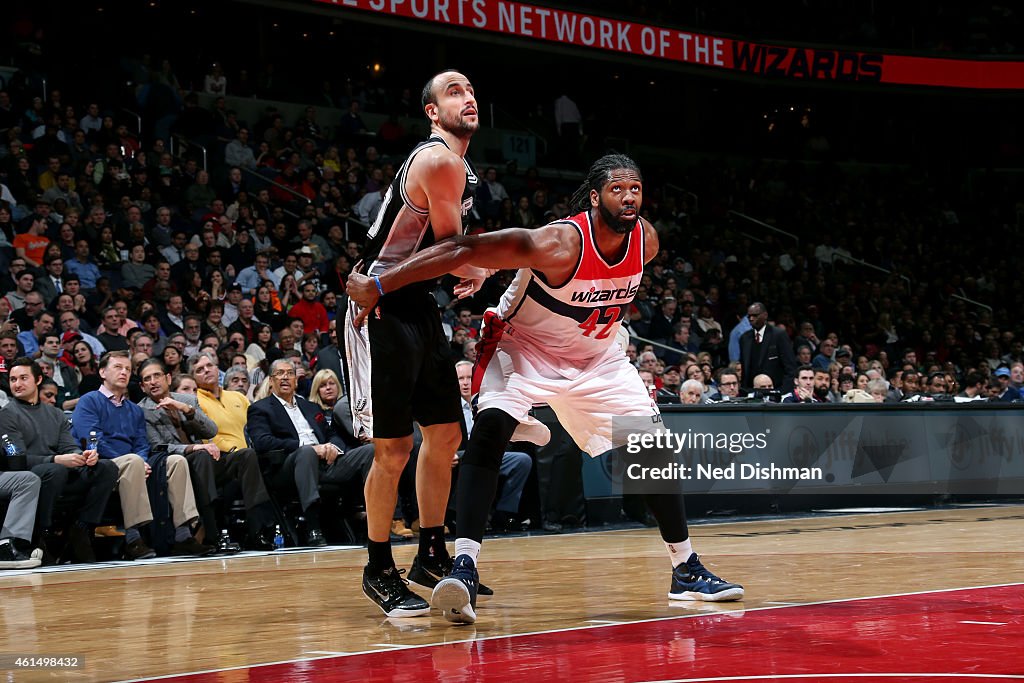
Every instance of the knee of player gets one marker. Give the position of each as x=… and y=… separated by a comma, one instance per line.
x=494, y=424
x=446, y=438
x=392, y=461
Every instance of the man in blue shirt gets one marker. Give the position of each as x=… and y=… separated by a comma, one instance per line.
x=83, y=266
x=120, y=426
x=252, y=277
x=42, y=323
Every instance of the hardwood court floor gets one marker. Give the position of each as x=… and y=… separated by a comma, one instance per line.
x=144, y=621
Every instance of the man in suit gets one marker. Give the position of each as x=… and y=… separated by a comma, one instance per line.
x=173, y=317
x=178, y=422
x=332, y=356
x=515, y=465
x=289, y=424
x=50, y=283
x=765, y=349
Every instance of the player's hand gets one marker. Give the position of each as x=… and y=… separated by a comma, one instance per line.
x=467, y=287
x=361, y=288
x=91, y=457
x=471, y=281
x=149, y=470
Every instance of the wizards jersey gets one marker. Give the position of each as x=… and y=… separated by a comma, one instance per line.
x=580, y=318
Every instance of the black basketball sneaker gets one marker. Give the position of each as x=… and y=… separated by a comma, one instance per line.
x=426, y=573
x=391, y=593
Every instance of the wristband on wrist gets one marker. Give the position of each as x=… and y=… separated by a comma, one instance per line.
x=376, y=279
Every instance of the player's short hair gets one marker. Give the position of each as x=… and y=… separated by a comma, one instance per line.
x=428, y=96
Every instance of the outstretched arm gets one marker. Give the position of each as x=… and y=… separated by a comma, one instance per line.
x=552, y=250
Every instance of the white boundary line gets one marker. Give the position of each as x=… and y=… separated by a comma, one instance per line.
x=394, y=646
x=639, y=621
x=607, y=622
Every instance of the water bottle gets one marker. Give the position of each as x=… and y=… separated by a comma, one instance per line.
x=94, y=441
x=278, y=537
x=9, y=448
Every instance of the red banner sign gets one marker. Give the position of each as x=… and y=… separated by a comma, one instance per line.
x=614, y=35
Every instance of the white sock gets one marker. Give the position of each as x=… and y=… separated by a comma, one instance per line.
x=679, y=552
x=467, y=546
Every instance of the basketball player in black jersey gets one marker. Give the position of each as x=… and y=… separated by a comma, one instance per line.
x=399, y=362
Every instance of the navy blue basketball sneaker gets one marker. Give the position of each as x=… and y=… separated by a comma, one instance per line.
x=692, y=581
x=455, y=595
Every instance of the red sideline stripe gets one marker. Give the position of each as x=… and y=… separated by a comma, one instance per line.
x=934, y=636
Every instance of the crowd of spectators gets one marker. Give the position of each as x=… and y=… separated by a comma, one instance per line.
x=230, y=277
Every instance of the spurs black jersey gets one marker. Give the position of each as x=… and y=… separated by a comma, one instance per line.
x=402, y=228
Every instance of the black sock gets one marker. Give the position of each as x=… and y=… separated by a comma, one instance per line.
x=432, y=545
x=312, y=514
x=380, y=556
x=478, y=472
x=670, y=511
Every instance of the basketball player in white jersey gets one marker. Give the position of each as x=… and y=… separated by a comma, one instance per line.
x=400, y=367
x=553, y=341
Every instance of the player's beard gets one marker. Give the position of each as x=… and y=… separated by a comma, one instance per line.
x=620, y=225
x=458, y=126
